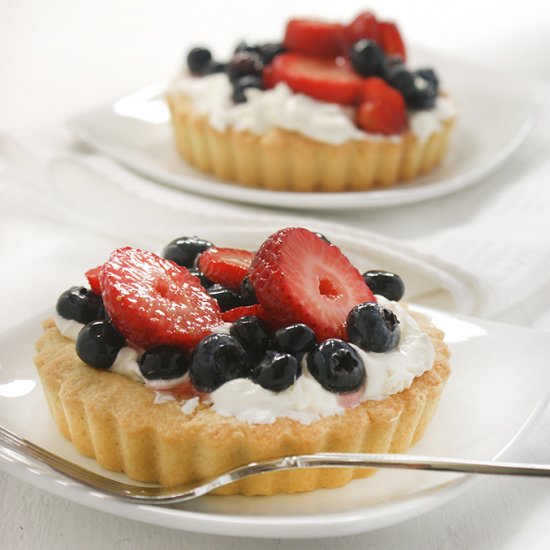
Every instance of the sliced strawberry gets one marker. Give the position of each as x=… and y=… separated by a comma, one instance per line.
x=93, y=278
x=327, y=79
x=226, y=266
x=153, y=301
x=364, y=25
x=300, y=278
x=231, y=315
x=391, y=41
x=378, y=116
x=317, y=38
x=377, y=88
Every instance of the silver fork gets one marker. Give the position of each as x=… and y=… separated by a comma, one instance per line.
x=164, y=495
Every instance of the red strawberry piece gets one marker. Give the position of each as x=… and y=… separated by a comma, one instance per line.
x=391, y=41
x=231, y=315
x=153, y=301
x=377, y=88
x=93, y=278
x=300, y=278
x=381, y=117
x=364, y=25
x=226, y=266
x=317, y=38
x=326, y=79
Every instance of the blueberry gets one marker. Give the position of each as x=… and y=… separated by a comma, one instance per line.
x=295, y=339
x=424, y=96
x=244, y=63
x=184, y=250
x=217, y=359
x=226, y=298
x=252, y=333
x=248, y=296
x=270, y=50
x=276, y=371
x=428, y=75
x=244, y=46
x=245, y=82
x=367, y=58
x=373, y=327
x=79, y=304
x=401, y=79
x=213, y=67
x=98, y=344
x=205, y=281
x=336, y=366
x=385, y=283
x=165, y=362
x=198, y=59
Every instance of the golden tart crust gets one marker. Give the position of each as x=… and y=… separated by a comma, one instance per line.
x=283, y=160
x=113, y=419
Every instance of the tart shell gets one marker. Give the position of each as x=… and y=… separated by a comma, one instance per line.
x=283, y=160
x=114, y=419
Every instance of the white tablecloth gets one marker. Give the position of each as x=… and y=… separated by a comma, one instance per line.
x=57, y=59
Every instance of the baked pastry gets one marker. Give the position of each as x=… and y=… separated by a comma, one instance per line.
x=172, y=383
x=331, y=108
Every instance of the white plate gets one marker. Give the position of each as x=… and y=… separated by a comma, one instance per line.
x=496, y=113
x=499, y=382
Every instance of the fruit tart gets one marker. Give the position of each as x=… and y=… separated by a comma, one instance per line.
x=178, y=367
x=332, y=107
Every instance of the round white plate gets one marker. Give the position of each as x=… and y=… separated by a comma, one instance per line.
x=496, y=113
x=487, y=404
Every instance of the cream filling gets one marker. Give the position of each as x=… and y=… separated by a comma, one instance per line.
x=280, y=107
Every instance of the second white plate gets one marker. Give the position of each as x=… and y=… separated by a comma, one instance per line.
x=496, y=113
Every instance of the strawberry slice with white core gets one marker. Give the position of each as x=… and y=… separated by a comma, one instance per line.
x=300, y=278
x=225, y=266
x=154, y=302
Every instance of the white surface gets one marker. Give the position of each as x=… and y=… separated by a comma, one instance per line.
x=58, y=59
x=495, y=406
x=136, y=131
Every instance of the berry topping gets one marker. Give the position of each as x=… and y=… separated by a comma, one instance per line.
x=363, y=26
x=198, y=60
x=231, y=315
x=375, y=88
x=217, y=359
x=184, y=250
x=316, y=38
x=337, y=366
x=225, y=297
x=205, y=281
x=79, y=304
x=93, y=278
x=244, y=83
x=226, y=266
x=245, y=63
x=154, y=302
x=373, y=327
x=326, y=79
x=367, y=58
x=163, y=362
x=248, y=296
x=299, y=278
x=385, y=283
x=424, y=95
x=252, y=333
x=295, y=339
x=276, y=371
x=429, y=75
x=270, y=50
x=98, y=344
x=381, y=117
x=391, y=41
x=402, y=80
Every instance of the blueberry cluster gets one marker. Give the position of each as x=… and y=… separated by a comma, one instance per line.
x=419, y=88
x=244, y=68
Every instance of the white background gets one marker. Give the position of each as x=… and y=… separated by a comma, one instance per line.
x=58, y=58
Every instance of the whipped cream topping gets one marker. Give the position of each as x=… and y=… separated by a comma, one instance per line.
x=280, y=107
x=306, y=400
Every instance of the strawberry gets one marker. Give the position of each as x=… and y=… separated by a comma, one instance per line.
x=153, y=301
x=231, y=315
x=317, y=38
x=377, y=88
x=93, y=278
x=226, y=266
x=364, y=25
x=326, y=79
x=391, y=41
x=299, y=278
x=378, y=116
